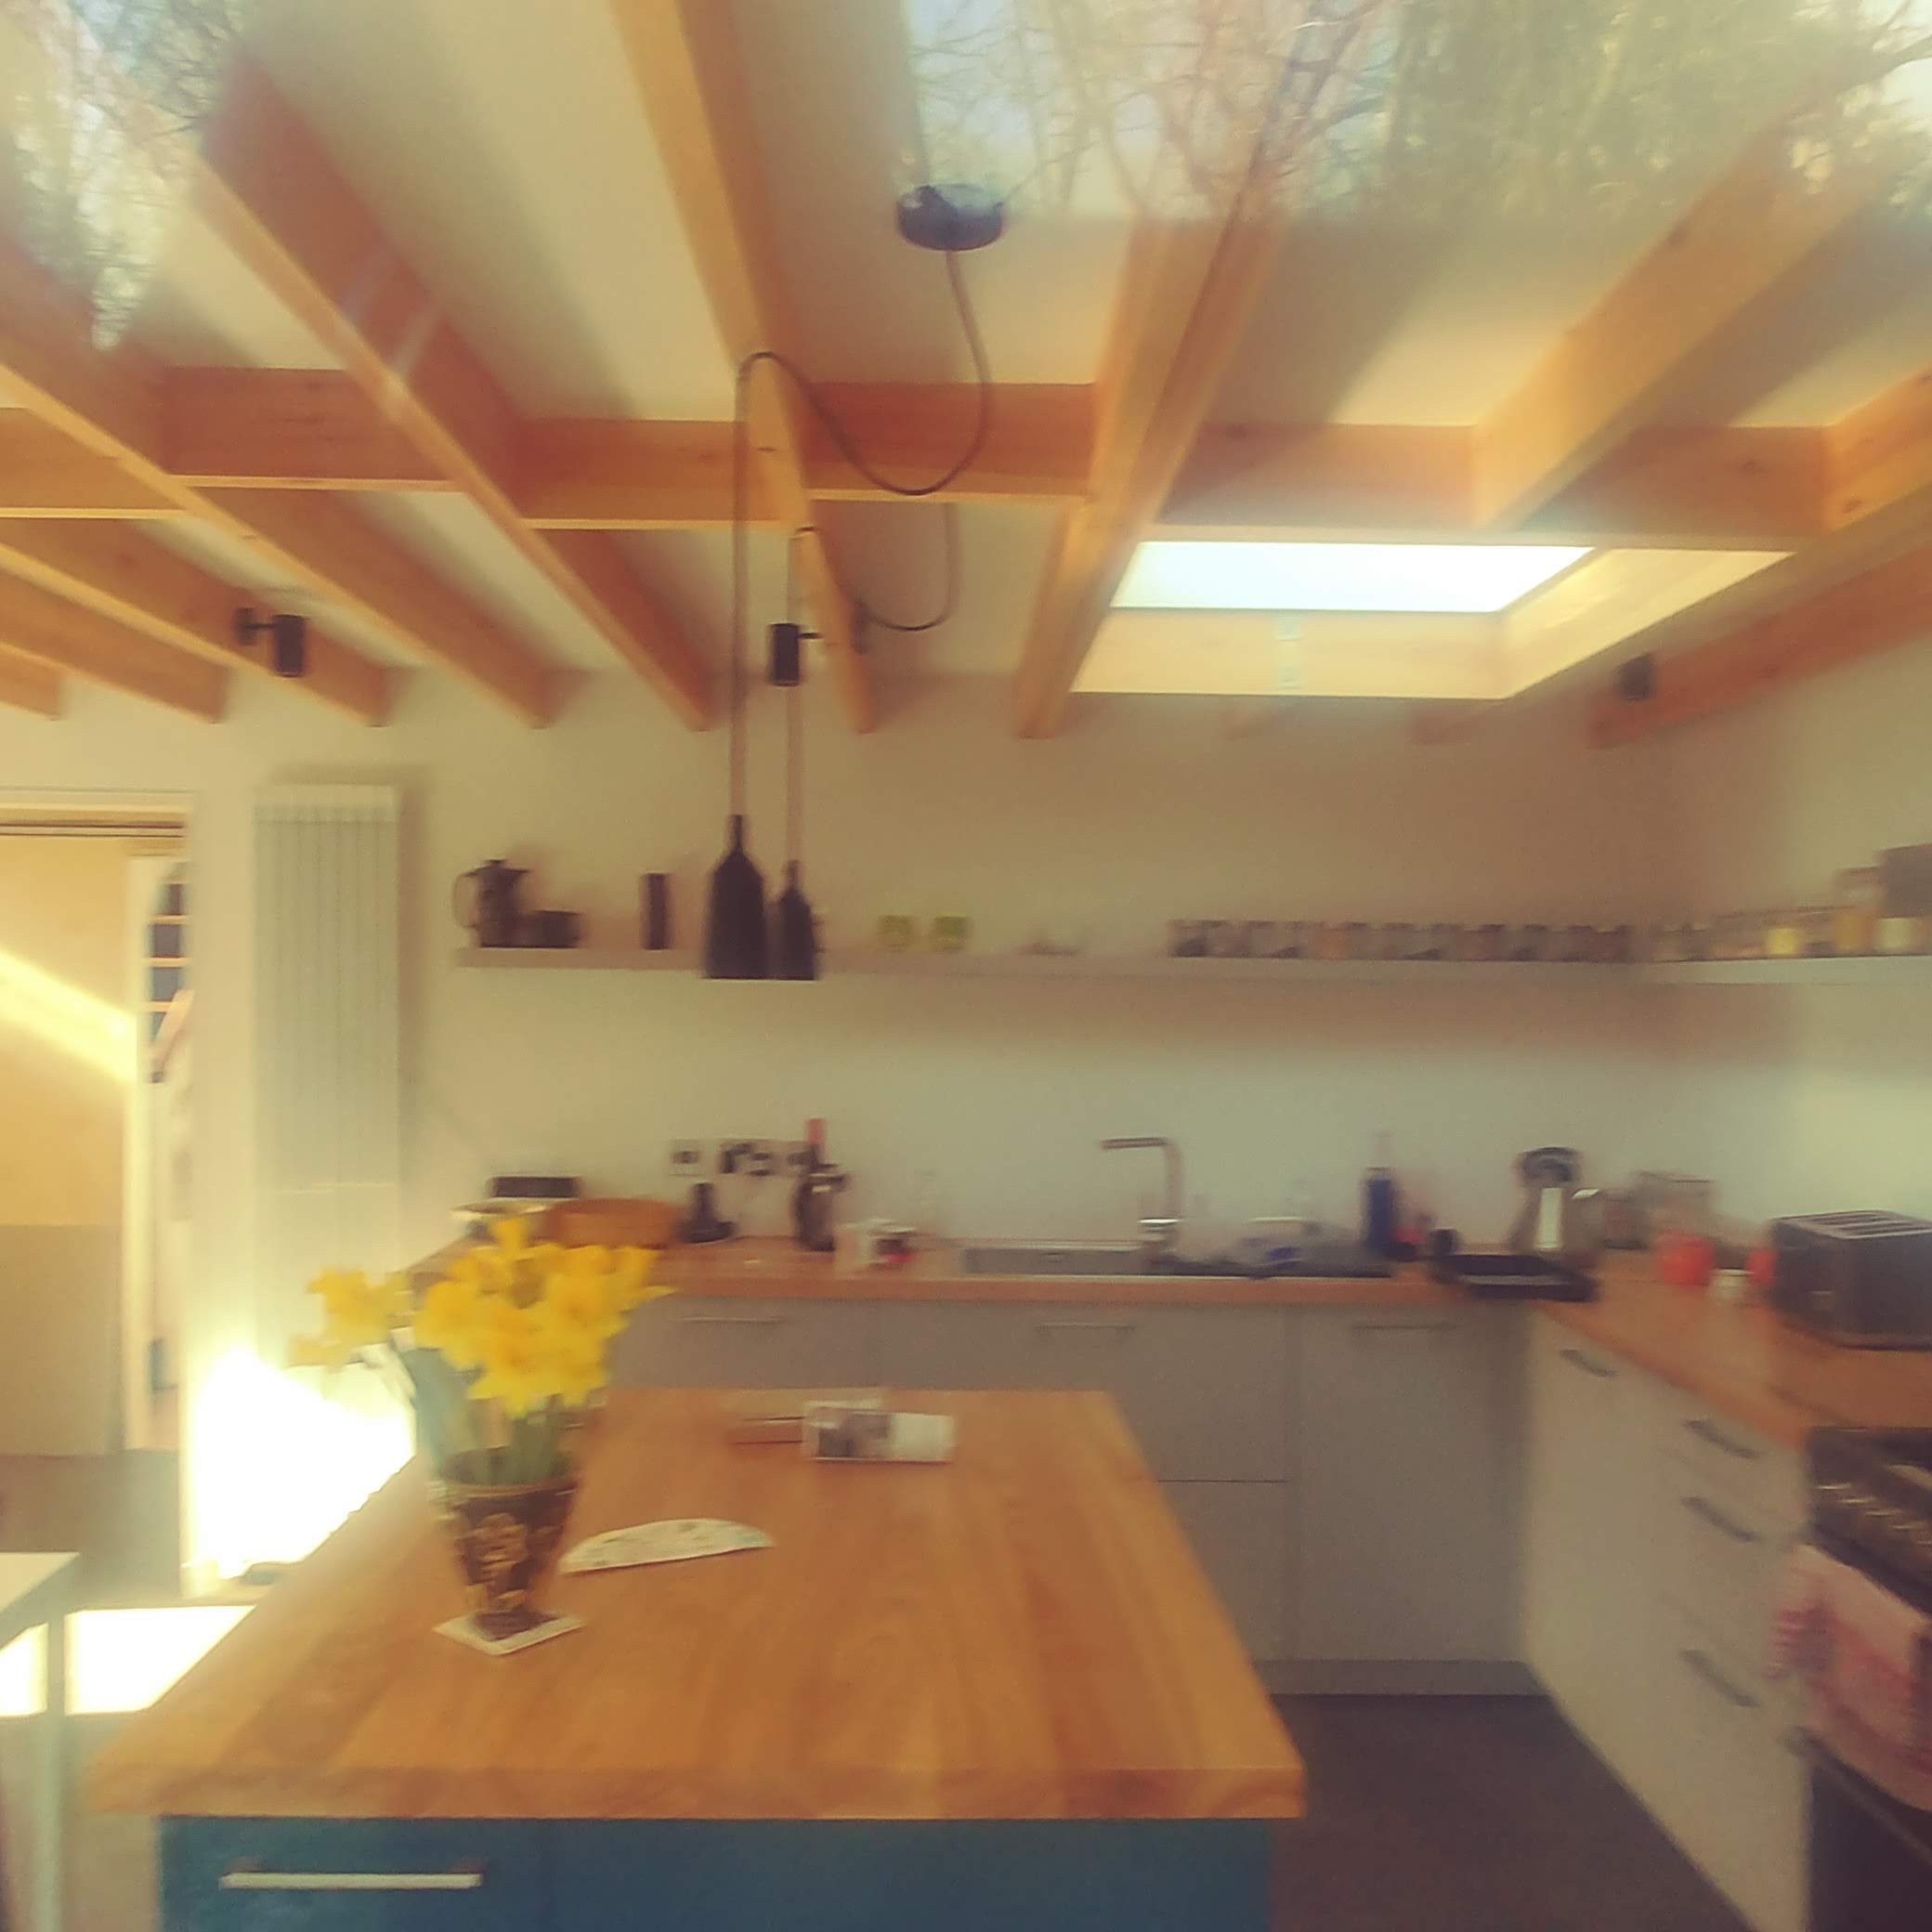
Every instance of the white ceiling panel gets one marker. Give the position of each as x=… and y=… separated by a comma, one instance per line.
x=503, y=148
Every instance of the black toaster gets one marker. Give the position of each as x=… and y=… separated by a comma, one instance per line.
x=1863, y=1279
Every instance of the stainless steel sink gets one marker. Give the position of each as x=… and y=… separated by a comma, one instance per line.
x=1054, y=1257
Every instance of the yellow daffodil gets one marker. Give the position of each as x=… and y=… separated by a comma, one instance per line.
x=453, y=1317
x=583, y=1305
x=579, y=1363
x=519, y=1363
x=356, y=1314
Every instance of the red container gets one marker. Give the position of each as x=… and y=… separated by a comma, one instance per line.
x=1686, y=1261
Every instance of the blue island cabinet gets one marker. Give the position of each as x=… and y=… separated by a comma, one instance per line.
x=715, y=1875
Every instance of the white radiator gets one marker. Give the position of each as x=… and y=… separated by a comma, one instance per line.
x=327, y=1091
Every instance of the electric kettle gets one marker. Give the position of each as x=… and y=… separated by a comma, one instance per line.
x=1558, y=1219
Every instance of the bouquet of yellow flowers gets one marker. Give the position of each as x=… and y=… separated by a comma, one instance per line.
x=500, y=1356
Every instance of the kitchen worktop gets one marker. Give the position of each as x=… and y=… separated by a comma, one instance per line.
x=1022, y=1633
x=1744, y=1361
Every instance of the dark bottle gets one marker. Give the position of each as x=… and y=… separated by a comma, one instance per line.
x=812, y=1199
x=1381, y=1202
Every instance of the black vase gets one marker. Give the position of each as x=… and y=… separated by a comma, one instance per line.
x=735, y=940
x=795, y=931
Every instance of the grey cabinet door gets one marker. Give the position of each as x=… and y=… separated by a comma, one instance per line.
x=1409, y=1427
x=1206, y=1390
x=1242, y=1533
x=690, y=1341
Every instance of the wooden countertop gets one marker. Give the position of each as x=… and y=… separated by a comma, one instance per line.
x=1745, y=1362
x=779, y=1268
x=1748, y=1362
x=1023, y=1633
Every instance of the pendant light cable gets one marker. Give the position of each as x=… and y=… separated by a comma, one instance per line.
x=794, y=733
x=845, y=443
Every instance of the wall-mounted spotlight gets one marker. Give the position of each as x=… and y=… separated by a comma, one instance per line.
x=290, y=634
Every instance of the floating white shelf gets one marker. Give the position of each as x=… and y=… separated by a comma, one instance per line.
x=1915, y=969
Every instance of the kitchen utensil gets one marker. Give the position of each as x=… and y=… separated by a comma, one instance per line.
x=656, y=895
x=613, y=1222
x=1560, y=1219
x=556, y=930
x=485, y=901
x=702, y=1222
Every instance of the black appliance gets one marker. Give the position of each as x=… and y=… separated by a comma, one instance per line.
x=1512, y=1277
x=1871, y=1856
x=1863, y=1279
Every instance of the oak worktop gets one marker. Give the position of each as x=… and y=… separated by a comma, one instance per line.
x=1744, y=1361
x=1021, y=1633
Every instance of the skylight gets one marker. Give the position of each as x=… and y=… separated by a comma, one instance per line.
x=1476, y=578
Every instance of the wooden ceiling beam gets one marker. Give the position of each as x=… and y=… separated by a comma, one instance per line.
x=285, y=429
x=1189, y=292
x=112, y=406
x=1733, y=253
x=688, y=71
x=1856, y=618
x=28, y=685
x=45, y=473
x=123, y=575
x=275, y=195
x=1669, y=488
x=61, y=635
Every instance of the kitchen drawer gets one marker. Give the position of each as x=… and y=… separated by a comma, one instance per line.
x=1722, y=1561
x=1736, y=1801
x=310, y=1875
x=1242, y=1533
x=689, y=1341
x=1204, y=1390
x=1729, y=1457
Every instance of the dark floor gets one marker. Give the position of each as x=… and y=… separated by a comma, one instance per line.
x=1472, y=1814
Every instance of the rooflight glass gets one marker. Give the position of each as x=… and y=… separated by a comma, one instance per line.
x=1403, y=577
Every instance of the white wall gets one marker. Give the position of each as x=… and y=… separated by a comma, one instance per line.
x=1146, y=810
x=1821, y=1097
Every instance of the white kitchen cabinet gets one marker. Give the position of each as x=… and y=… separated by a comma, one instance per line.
x=685, y=1341
x=1206, y=1390
x=1409, y=1446
x=1243, y=1534
x=1652, y=1553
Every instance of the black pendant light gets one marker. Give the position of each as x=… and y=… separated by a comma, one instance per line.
x=736, y=945
x=794, y=931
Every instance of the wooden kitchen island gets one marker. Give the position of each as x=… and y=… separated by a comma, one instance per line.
x=994, y=1693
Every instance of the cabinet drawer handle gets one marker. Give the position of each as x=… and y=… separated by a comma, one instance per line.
x=1086, y=1327
x=241, y=1879
x=1402, y=1327
x=1577, y=1359
x=1709, y=1433
x=733, y=1321
x=1707, y=1511
x=1700, y=1666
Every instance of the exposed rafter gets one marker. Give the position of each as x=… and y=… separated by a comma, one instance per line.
x=128, y=576
x=1734, y=251
x=38, y=624
x=44, y=473
x=27, y=684
x=689, y=72
x=274, y=193
x=112, y=405
x=1857, y=617
x=1662, y=488
x=1189, y=292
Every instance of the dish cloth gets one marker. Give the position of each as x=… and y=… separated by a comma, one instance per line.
x=1864, y=1657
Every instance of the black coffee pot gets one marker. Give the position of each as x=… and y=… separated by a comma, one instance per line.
x=485, y=900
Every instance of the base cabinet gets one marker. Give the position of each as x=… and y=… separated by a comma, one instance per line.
x=1409, y=1446
x=685, y=1341
x=1243, y=1533
x=1652, y=1538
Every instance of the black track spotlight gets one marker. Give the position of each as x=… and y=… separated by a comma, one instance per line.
x=289, y=632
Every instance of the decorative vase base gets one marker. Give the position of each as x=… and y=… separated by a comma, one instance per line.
x=469, y=1630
